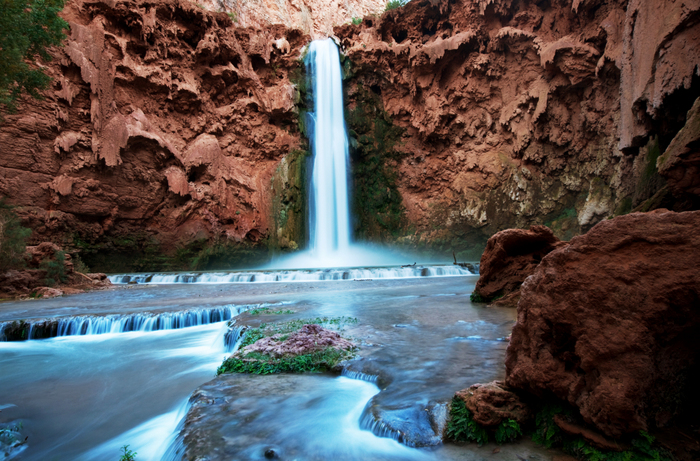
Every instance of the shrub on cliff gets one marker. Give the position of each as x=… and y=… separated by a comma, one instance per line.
x=393, y=4
x=13, y=238
x=27, y=29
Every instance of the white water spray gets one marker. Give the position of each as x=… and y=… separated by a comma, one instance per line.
x=330, y=214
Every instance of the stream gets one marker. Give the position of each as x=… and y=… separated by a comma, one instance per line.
x=82, y=397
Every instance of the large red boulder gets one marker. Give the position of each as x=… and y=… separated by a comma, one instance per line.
x=610, y=322
x=510, y=257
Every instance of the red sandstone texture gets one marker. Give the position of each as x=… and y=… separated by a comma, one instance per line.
x=33, y=279
x=166, y=122
x=521, y=112
x=510, y=257
x=163, y=119
x=310, y=338
x=609, y=323
x=491, y=404
x=313, y=17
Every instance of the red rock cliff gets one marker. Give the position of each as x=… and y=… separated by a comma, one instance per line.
x=164, y=126
x=521, y=112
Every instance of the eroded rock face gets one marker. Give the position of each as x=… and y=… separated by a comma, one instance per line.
x=315, y=17
x=165, y=124
x=609, y=323
x=512, y=111
x=510, y=257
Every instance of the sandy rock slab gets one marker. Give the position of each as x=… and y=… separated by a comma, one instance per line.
x=609, y=323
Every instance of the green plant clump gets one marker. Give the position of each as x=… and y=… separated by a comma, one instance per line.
x=27, y=29
x=127, y=455
x=233, y=16
x=256, y=363
x=357, y=21
x=548, y=434
x=13, y=238
x=477, y=298
x=393, y=4
x=55, y=269
x=462, y=428
x=508, y=431
x=259, y=364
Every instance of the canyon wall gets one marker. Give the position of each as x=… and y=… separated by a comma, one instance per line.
x=504, y=113
x=314, y=17
x=160, y=135
x=170, y=137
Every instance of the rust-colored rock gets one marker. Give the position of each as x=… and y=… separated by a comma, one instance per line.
x=166, y=131
x=591, y=437
x=510, y=257
x=522, y=113
x=491, y=404
x=34, y=278
x=310, y=338
x=609, y=323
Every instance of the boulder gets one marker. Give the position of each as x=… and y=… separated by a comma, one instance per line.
x=510, y=257
x=609, y=323
x=491, y=404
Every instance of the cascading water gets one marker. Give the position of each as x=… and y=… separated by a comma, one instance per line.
x=330, y=214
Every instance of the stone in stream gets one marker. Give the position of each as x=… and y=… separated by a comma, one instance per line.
x=492, y=403
x=310, y=338
x=609, y=323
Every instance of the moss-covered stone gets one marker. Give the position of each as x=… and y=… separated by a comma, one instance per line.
x=289, y=202
x=377, y=202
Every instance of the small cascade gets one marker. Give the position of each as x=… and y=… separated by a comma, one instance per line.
x=118, y=323
x=300, y=275
x=233, y=336
x=380, y=428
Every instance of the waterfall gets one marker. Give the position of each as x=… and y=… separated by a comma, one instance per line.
x=329, y=214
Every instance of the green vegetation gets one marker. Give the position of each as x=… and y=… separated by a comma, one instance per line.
x=233, y=16
x=508, y=431
x=548, y=434
x=127, y=455
x=462, y=428
x=267, y=311
x=27, y=29
x=356, y=21
x=477, y=298
x=393, y=4
x=79, y=265
x=377, y=202
x=13, y=238
x=260, y=364
x=256, y=363
x=55, y=269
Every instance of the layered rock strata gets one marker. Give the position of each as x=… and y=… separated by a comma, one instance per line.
x=609, y=323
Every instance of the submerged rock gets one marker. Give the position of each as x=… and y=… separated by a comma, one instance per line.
x=609, y=323
x=510, y=257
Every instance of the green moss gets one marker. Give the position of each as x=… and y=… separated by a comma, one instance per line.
x=289, y=202
x=55, y=269
x=477, y=298
x=377, y=202
x=256, y=363
x=624, y=207
x=260, y=364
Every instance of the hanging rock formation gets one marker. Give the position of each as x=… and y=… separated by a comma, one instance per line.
x=609, y=323
x=166, y=126
x=518, y=113
x=163, y=128
x=313, y=17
